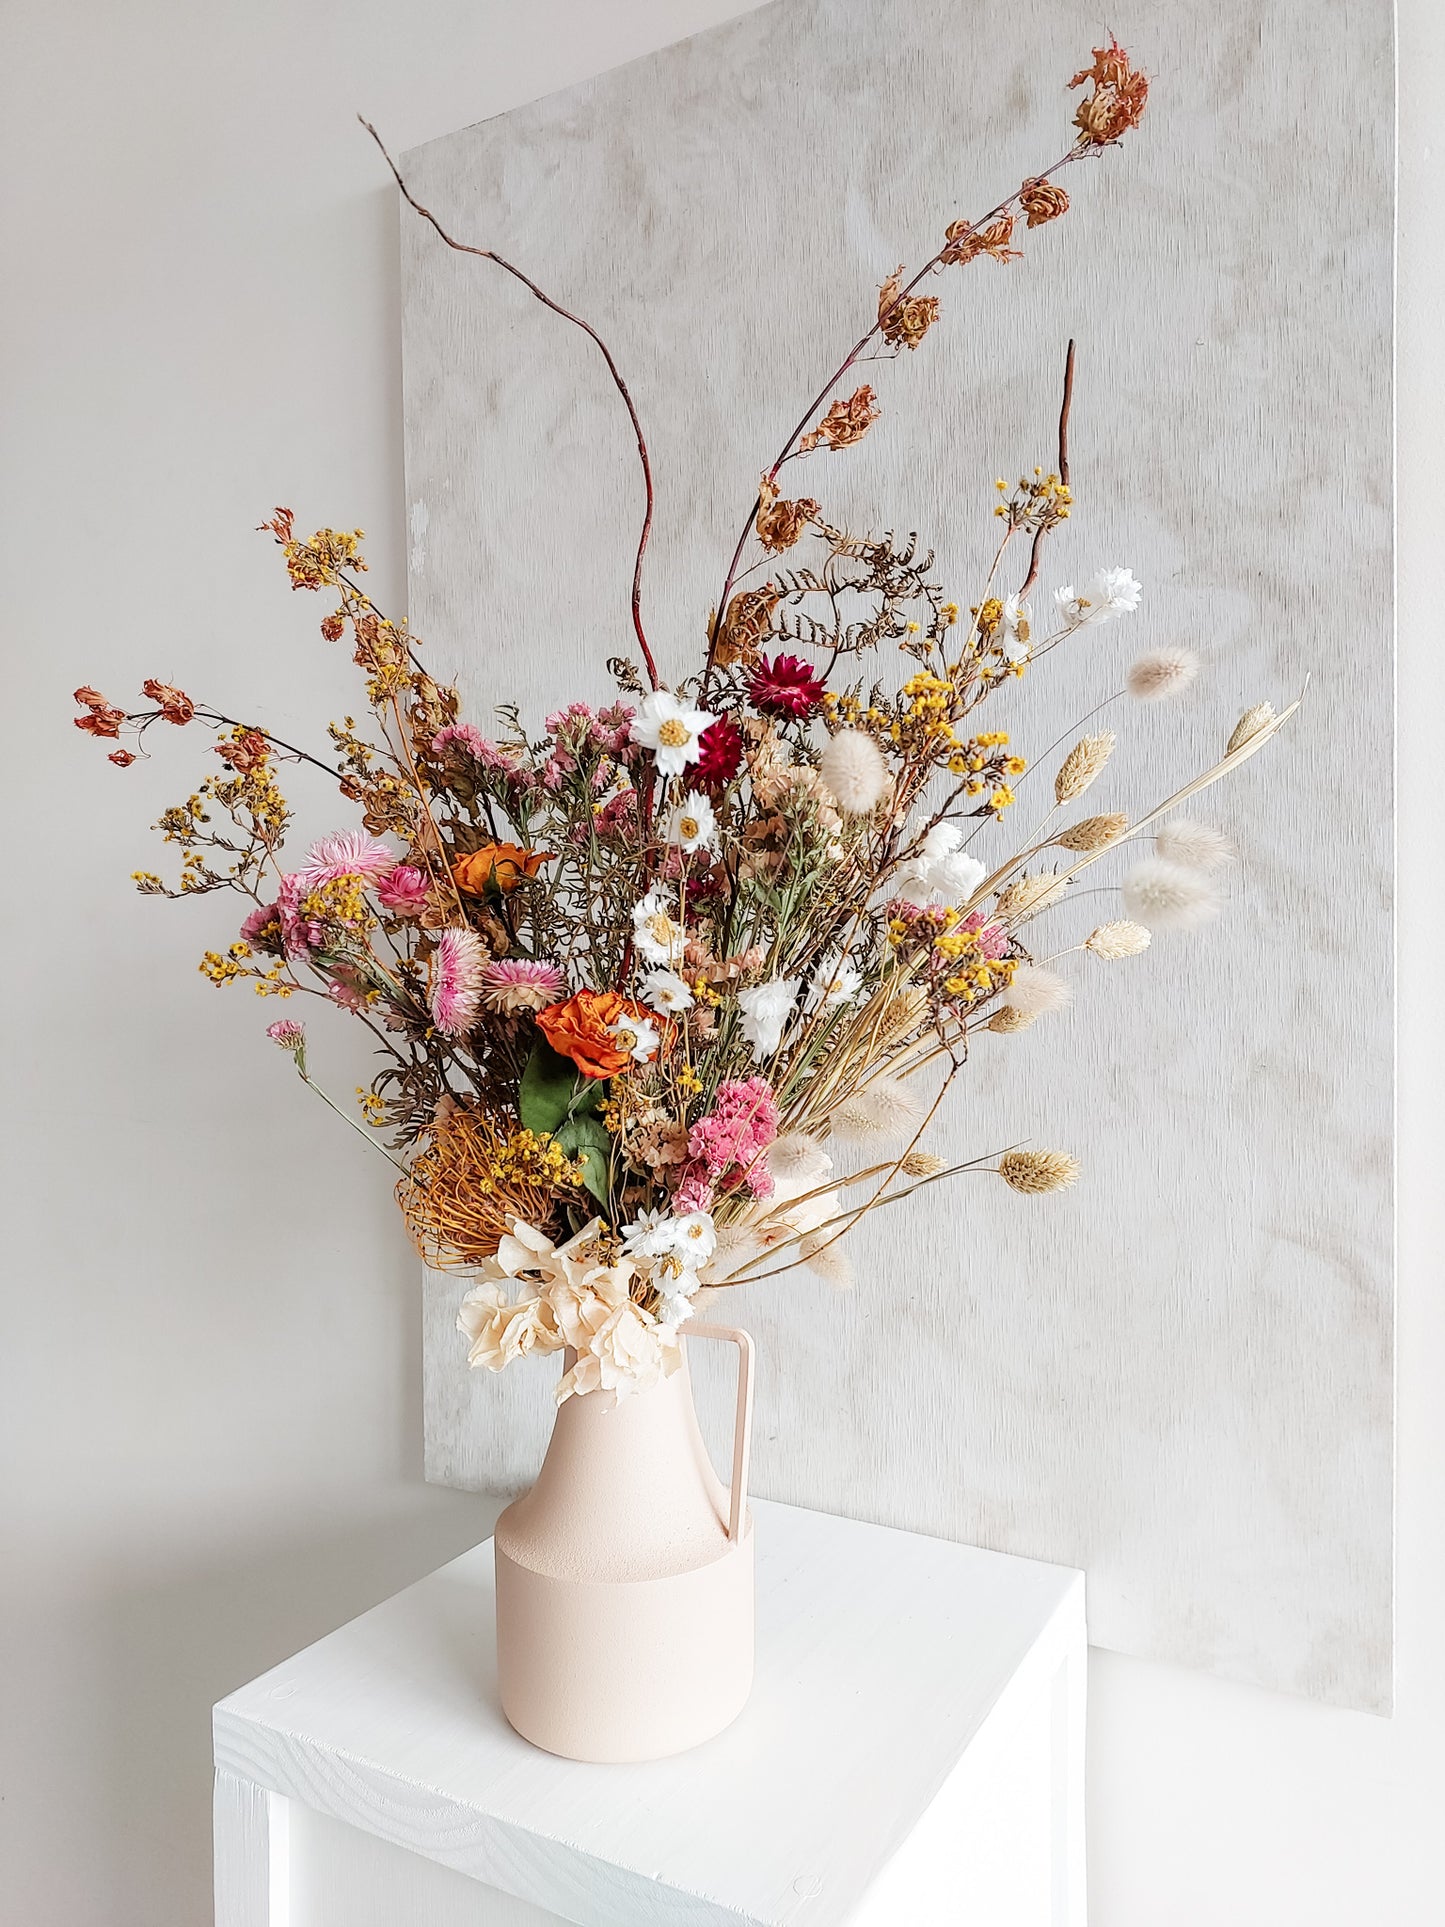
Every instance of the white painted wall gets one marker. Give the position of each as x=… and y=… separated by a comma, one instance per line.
x=210, y=1419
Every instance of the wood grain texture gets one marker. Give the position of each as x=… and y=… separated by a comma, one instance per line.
x=1178, y=1376
x=893, y=1670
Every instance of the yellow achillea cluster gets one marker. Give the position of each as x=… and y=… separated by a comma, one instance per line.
x=339, y=900
x=371, y=1107
x=1038, y=503
x=974, y=975
x=986, y=769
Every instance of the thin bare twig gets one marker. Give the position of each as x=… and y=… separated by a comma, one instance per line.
x=490, y=254
x=1033, y=575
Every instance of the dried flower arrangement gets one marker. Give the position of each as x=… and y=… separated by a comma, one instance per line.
x=634, y=981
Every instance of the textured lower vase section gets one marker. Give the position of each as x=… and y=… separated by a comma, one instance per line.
x=623, y=1670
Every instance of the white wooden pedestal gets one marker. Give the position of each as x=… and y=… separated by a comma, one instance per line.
x=912, y=1755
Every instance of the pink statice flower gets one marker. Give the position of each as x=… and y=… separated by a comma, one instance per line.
x=725, y=1148
x=288, y=1035
x=403, y=890
x=465, y=737
x=515, y=983
x=299, y=934
x=456, y=982
x=694, y=1192
x=993, y=939
x=347, y=853
x=262, y=929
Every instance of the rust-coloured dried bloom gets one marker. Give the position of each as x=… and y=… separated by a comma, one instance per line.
x=333, y=627
x=1041, y=201
x=966, y=242
x=103, y=718
x=846, y=422
x=1036, y=1172
x=780, y=524
x=243, y=750
x=746, y=625
x=122, y=758
x=904, y=319
x=174, y=704
x=1117, y=103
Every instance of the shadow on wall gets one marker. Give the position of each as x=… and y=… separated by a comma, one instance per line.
x=135, y=1771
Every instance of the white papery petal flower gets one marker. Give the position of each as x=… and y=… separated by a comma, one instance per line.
x=1109, y=592
x=692, y=825
x=664, y=990
x=766, y=1009
x=670, y=728
x=637, y=1037
x=659, y=937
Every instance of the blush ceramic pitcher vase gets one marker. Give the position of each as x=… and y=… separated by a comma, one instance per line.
x=625, y=1577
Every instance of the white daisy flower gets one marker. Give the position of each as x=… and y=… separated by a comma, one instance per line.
x=658, y=935
x=835, y=983
x=666, y=991
x=692, y=824
x=637, y=1037
x=670, y=728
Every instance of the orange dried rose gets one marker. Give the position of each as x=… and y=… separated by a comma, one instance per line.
x=582, y=1030
x=497, y=866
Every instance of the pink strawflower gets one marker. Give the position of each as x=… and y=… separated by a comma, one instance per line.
x=403, y=890
x=347, y=992
x=288, y=1034
x=456, y=981
x=726, y=1147
x=347, y=853
x=514, y=983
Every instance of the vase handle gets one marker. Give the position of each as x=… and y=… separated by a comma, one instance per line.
x=743, y=1423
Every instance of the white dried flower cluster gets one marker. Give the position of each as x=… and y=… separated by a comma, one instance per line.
x=1109, y=593
x=766, y=1009
x=941, y=873
x=536, y=1297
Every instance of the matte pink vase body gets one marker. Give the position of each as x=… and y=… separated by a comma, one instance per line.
x=625, y=1579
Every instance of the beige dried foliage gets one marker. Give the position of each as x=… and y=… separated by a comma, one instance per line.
x=1249, y=725
x=1093, y=833
x=922, y=1164
x=1037, y=1172
x=1006, y=1018
x=1027, y=895
x=1082, y=764
x=1114, y=940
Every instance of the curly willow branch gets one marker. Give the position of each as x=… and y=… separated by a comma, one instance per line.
x=489, y=254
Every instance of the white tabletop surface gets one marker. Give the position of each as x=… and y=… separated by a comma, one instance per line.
x=880, y=1655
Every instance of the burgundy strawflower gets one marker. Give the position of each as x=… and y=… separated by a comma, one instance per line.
x=720, y=754
x=786, y=686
